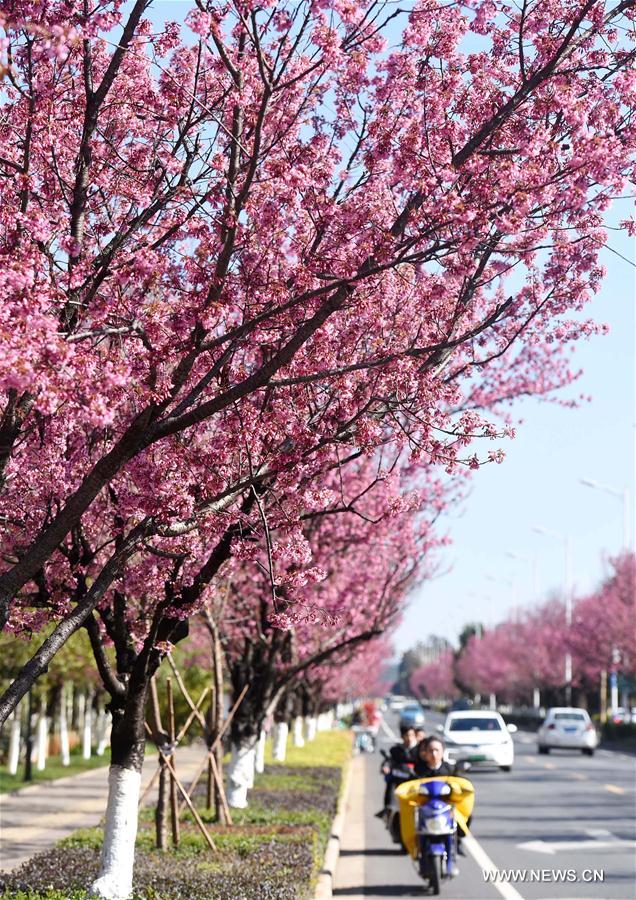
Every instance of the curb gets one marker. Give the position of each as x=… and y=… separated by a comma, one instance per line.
x=324, y=884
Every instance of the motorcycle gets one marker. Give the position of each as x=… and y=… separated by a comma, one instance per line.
x=395, y=775
x=430, y=811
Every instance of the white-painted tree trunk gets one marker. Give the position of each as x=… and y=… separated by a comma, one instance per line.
x=81, y=709
x=101, y=729
x=299, y=740
x=42, y=740
x=70, y=701
x=279, y=750
x=240, y=773
x=14, y=742
x=310, y=728
x=329, y=717
x=493, y=701
x=87, y=730
x=65, y=750
x=259, y=763
x=114, y=881
x=536, y=698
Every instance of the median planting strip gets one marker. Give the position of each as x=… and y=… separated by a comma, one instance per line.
x=274, y=850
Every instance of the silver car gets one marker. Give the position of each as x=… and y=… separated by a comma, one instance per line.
x=568, y=728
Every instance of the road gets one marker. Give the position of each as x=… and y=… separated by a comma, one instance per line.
x=558, y=819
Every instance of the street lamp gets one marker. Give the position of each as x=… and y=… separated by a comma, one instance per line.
x=567, y=546
x=622, y=494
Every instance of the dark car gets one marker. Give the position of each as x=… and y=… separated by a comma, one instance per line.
x=461, y=705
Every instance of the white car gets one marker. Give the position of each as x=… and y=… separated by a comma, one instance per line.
x=569, y=728
x=397, y=702
x=480, y=737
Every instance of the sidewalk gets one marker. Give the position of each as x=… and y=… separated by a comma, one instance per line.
x=349, y=877
x=35, y=817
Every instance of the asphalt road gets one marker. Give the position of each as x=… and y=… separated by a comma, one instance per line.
x=557, y=819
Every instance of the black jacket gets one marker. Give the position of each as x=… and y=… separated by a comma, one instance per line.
x=423, y=770
x=400, y=755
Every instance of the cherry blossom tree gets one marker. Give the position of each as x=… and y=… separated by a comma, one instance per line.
x=602, y=634
x=237, y=258
x=436, y=679
x=279, y=634
x=281, y=228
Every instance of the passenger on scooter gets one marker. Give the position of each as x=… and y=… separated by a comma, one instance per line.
x=401, y=755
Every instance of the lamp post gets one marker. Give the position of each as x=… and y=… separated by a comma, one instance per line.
x=621, y=494
x=567, y=547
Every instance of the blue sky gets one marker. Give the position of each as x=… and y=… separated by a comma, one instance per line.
x=539, y=483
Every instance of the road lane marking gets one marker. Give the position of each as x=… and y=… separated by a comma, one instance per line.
x=486, y=864
x=531, y=759
x=388, y=730
x=576, y=776
x=614, y=789
x=552, y=847
x=549, y=766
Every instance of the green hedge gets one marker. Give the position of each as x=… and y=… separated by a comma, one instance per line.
x=616, y=732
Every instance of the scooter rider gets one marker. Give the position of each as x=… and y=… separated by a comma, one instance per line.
x=429, y=762
x=401, y=754
x=429, y=759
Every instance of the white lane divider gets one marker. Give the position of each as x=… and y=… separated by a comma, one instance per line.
x=388, y=730
x=601, y=839
x=485, y=863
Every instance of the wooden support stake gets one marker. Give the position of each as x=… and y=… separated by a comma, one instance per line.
x=174, y=806
x=194, y=782
x=158, y=734
x=191, y=716
x=190, y=805
x=219, y=781
x=217, y=741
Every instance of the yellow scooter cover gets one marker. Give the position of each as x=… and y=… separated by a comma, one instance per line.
x=462, y=797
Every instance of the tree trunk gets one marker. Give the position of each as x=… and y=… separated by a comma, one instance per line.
x=259, y=763
x=299, y=740
x=127, y=743
x=217, y=715
x=28, y=763
x=101, y=728
x=79, y=712
x=310, y=728
x=14, y=742
x=161, y=812
x=241, y=772
x=87, y=730
x=279, y=751
x=42, y=740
